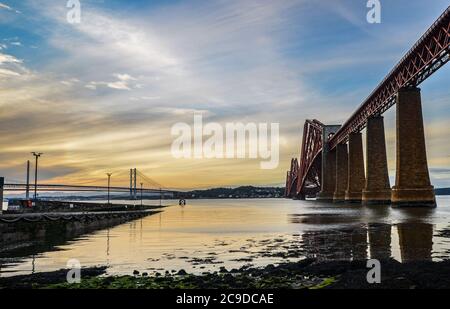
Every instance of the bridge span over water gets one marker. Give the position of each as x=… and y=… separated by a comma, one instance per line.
x=147, y=187
x=331, y=163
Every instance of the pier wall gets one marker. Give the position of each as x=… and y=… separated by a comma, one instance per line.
x=50, y=229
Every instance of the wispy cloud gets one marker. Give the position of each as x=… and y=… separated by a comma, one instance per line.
x=122, y=82
x=7, y=7
x=116, y=83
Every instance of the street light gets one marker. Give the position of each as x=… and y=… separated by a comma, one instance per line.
x=36, y=155
x=109, y=184
x=141, y=191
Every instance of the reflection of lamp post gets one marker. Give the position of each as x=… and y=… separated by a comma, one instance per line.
x=109, y=184
x=141, y=191
x=36, y=155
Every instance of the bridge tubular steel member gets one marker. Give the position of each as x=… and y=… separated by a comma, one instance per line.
x=291, y=181
x=328, y=165
x=286, y=189
x=309, y=173
x=412, y=183
x=294, y=177
x=377, y=189
x=356, y=176
x=341, y=173
x=427, y=56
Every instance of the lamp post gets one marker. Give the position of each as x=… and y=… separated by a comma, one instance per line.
x=109, y=184
x=36, y=155
x=141, y=191
x=27, y=191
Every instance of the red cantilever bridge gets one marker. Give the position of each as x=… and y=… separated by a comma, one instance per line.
x=331, y=164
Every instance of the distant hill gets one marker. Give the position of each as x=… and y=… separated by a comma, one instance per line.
x=442, y=191
x=240, y=192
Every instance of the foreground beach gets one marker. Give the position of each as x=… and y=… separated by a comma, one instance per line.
x=306, y=274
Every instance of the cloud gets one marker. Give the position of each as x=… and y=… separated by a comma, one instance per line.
x=6, y=72
x=124, y=77
x=122, y=83
x=4, y=58
x=10, y=66
x=7, y=7
x=232, y=61
x=4, y=6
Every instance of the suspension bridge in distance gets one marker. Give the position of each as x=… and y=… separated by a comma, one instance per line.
x=139, y=184
x=78, y=188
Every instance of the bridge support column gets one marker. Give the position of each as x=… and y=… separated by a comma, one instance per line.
x=412, y=182
x=377, y=189
x=286, y=188
x=328, y=181
x=356, y=177
x=341, y=173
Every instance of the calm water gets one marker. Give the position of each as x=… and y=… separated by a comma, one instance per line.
x=208, y=234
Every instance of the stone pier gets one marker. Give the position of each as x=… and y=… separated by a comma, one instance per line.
x=377, y=189
x=341, y=173
x=412, y=182
x=356, y=176
x=328, y=181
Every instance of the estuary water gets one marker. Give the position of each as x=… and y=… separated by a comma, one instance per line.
x=205, y=235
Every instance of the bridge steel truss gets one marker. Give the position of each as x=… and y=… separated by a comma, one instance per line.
x=429, y=54
x=291, y=179
x=304, y=178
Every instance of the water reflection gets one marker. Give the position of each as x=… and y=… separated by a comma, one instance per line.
x=380, y=240
x=336, y=244
x=208, y=234
x=416, y=241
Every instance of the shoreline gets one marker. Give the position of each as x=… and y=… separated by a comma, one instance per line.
x=305, y=274
x=33, y=230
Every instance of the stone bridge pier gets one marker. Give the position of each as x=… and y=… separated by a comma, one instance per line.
x=377, y=189
x=412, y=180
x=356, y=174
x=343, y=174
x=328, y=183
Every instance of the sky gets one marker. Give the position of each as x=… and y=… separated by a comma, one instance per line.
x=102, y=95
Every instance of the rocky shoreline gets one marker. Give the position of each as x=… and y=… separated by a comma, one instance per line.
x=305, y=274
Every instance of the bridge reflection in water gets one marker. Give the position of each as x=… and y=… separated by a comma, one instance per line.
x=368, y=241
x=209, y=234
